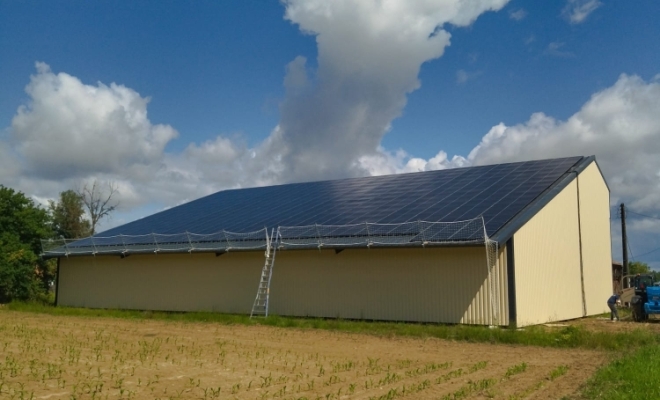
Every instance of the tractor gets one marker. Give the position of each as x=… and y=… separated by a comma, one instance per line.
x=646, y=299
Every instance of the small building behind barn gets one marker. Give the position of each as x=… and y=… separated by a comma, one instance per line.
x=617, y=276
x=508, y=244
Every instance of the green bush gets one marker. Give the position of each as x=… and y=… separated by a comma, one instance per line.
x=18, y=280
x=23, y=276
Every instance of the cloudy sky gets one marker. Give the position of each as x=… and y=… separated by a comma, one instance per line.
x=173, y=101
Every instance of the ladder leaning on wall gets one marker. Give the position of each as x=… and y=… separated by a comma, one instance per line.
x=260, y=306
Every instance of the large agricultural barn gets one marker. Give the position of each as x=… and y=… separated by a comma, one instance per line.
x=521, y=243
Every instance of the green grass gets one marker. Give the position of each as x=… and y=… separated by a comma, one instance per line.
x=633, y=376
x=567, y=337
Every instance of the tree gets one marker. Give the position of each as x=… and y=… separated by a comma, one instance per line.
x=638, y=267
x=98, y=200
x=69, y=216
x=19, y=277
x=22, y=226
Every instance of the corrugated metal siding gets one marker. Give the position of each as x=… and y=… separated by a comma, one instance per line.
x=547, y=263
x=596, y=239
x=174, y=282
x=503, y=286
x=428, y=285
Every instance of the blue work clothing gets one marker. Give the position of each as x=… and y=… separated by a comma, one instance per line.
x=611, y=303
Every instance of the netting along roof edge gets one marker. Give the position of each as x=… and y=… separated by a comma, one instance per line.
x=365, y=235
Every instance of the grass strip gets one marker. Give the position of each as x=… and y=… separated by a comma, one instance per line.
x=567, y=337
x=636, y=375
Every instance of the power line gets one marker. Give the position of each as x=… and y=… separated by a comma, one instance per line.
x=642, y=215
x=631, y=252
x=649, y=252
x=628, y=211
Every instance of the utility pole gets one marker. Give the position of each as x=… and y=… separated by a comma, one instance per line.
x=624, y=240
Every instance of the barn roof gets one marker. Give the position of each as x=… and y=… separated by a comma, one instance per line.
x=504, y=195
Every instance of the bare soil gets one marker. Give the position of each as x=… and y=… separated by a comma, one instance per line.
x=626, y=324
x=47, y=357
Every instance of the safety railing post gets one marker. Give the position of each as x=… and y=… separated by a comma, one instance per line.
x=268, y=240
x=421, y=230
x=189, y=243
x=318, y=236
x=369, y=243
x=66, y=248
x=226, y=239
x=153, y=235
x=123, y=243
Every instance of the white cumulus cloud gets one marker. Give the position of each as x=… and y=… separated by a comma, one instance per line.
x=620, y=125
x=333, y=116
x=69, y=128
x=369, y=56
x=70, y=132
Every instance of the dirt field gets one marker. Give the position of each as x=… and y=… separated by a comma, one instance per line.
x=49, y=357
x=603, y=324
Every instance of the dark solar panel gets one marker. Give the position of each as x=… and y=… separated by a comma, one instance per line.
x=496, y=192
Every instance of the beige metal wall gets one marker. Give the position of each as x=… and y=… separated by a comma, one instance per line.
x=596, y=242
x=450, y=285
x=174, y=282
x=429, y=285
x=547, y=262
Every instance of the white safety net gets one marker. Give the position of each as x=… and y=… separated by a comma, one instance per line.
x=418, y=233
x=154, y=242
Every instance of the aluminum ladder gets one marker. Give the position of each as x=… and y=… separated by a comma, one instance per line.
x=260, y=306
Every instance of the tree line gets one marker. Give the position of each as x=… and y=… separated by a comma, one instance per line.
x=638, y=267
x=24, y=275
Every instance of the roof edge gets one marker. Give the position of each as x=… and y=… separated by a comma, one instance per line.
x=602, y=174
x=314, y=247
x=507, y=231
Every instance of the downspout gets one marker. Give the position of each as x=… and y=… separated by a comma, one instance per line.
x=584, y=297
x=57, y=281
x=511, y=282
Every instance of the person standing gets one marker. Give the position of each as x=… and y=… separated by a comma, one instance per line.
x=611, y=303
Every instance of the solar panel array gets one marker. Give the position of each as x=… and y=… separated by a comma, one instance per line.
x=496, y=192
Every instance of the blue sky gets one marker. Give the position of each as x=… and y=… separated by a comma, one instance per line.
x=221, y=113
